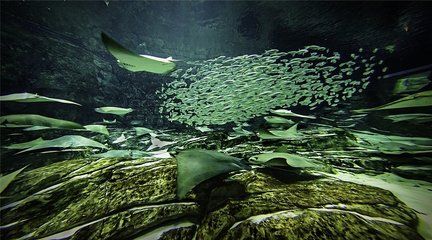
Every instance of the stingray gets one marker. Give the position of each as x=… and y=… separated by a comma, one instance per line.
x=289, y=113
x=140, y=131
x=421, y=99
x=289, y=134
x=135, y=62
x=278, y=120
x=32, y=98
x=114, y=110
x=120, y=139
x=68, y=141
x=97, y=128
x=29, y=120
x=25, y=145
x=7, y=179
x=156, y=143
x=197, y=165
x=410, y=117
x=284, y=159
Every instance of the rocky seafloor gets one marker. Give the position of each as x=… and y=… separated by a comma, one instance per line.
x=85, y=197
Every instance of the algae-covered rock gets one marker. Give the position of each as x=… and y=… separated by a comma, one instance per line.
x=118, y=198
x=101, y=197
x=364, y=210
x=317, y=224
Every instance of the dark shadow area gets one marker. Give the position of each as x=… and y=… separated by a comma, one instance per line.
x=288, y=175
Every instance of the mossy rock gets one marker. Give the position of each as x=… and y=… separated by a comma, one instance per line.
x=140, y=191
x=113, y=198
x=320, y=200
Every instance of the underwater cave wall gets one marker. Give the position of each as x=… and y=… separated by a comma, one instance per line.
x=54, y=48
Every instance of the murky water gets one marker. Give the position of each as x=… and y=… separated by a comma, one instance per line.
x=216, y=120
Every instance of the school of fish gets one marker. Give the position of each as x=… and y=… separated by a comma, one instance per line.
x=235, y=89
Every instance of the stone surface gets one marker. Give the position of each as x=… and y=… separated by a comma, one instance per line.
x=268, y=195
x=317, y=224
x=106, y=188
x=124, y=199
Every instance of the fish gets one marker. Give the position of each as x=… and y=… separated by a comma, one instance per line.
x=410, y=117
x=197, y=165
x=236, y=89
x=32, y=98
x=134, y=62
x=114, y=110
x=289, y=113
x=411, y=83
x=421, y=99
x=157, y=143
x=120, y=139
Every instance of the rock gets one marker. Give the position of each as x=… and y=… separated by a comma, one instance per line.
x=317, y=224
x=124, y=199
x=322, y=201
x=100, y=197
